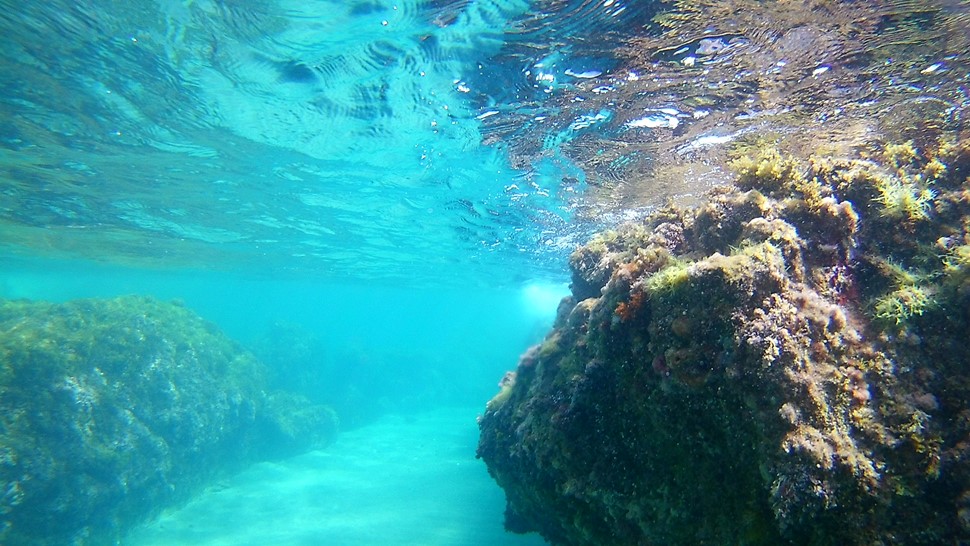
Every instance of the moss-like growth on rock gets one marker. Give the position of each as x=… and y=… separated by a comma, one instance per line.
x=111, y=410
x=792, y=371
x=905, y=199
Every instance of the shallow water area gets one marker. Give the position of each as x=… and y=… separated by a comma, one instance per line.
x=404, y=480
x=406, y=371
x=240, y=224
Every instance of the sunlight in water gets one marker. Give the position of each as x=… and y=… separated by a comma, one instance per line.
x=288, y=272
x=540, y=299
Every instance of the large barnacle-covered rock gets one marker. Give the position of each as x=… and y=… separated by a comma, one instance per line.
x=792, y=371
x=111, y=410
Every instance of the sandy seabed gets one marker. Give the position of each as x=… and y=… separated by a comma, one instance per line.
x=410, y=480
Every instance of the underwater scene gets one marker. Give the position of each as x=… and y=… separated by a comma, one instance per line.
x=478, y=272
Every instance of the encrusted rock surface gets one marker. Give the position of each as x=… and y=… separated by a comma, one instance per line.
x=784, y=364
x=111, y=410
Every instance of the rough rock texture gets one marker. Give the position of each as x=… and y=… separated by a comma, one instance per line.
x=112, y=409
x=785, y=364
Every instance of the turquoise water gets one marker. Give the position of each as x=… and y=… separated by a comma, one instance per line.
x=336, y=140
x=398, y=481
x=419, y=346
x=378, y=200
x=322, y=165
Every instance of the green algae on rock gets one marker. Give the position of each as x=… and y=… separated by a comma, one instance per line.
x=784, y=364
x=113, y=409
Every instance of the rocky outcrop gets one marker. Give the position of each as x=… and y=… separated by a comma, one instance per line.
x=111, y=410
x=784, y=364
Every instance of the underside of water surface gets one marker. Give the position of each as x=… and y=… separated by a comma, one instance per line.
x=371, y=140
x=262, y=263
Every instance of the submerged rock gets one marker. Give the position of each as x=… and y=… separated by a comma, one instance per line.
x=111, y=410
x=784, y=364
